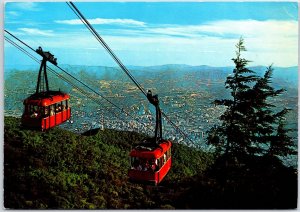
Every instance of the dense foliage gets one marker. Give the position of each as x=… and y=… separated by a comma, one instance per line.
x=248, y=171
x=62, y=170
x=59, y=169
x=251, y=124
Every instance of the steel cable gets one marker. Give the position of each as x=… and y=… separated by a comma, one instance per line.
x=68, y=81
x=103, y=43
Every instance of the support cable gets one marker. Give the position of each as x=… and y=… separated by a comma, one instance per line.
x=107, y=48
x=68, y=81
x=19, y=40
x=103, y=43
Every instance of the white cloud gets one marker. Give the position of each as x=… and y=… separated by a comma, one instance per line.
x=97, y=21
x=268, y=42
x=34, y=31
x=30, y=6
x=211, y=43
x=12, y=13
x=230, y=28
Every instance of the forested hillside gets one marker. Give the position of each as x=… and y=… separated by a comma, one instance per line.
x=62, y=170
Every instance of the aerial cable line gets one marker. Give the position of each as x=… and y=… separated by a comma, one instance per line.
x=121, y=109
x=19, y=40
x=103, y=43
x=176, y=127
x=53, y=71
x=31, y=56
x=69, y=74
x=63, y=78
x=21, y=49
x=68, y=81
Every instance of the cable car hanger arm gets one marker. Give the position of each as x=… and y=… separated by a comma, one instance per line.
x=158, y=124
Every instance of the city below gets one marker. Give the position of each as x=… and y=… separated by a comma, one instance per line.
x=186, y=95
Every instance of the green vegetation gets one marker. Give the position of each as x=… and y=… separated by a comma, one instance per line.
x=251, y=125
x=251, y=141
x=58, y=169
x=62, y=170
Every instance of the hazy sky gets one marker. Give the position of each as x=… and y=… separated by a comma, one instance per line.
x=156, y=33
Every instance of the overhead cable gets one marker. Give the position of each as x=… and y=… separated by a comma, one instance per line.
x=122, y=66
x=34, y=58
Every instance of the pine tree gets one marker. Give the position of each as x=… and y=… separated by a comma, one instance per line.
x=250, y=125
x=280, y=144
x=232, y=137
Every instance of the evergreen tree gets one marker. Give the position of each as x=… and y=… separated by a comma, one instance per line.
x=232, y=136
x=281, y=144
x=266, y=126
x=250, y=126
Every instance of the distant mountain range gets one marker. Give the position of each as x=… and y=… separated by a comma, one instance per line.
x=288, y=74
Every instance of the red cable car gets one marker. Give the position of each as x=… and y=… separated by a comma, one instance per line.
x=45, y=109
x=150, y=164
x=151, y=160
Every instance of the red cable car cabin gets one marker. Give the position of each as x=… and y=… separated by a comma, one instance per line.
x=46, y=110
x=150, y=164
x=151, y=160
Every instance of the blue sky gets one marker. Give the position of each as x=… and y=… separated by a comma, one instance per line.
x=156, y=33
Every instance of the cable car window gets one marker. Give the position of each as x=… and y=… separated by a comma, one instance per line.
x=135, y=162
x=146, y=166
x=64, y=105
x=34, y=111
x=41, y=111
x=46, y=111
x=168, y=153
x=142, y=164
x=153, y=165
x=159, y=162
x=164, y=159
x=67, y=104
x=58, y=107
x=52, y=110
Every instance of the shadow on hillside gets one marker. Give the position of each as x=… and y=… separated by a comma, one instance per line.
x=91, y=132
x=254, y=183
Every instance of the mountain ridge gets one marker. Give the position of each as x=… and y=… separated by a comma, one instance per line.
x=287, y=73
x=154, y=67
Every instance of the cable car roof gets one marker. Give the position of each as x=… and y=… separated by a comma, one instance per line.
x=141, y=151
x=46, y=99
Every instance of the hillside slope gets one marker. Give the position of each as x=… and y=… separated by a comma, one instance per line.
x=62, y=170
